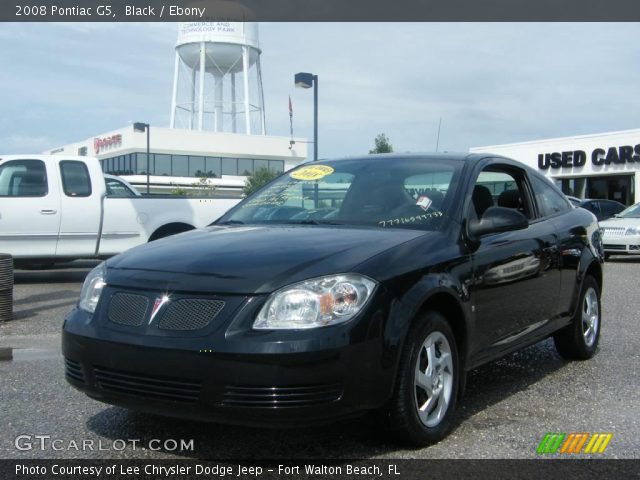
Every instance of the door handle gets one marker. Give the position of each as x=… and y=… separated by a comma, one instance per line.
x=48, y=212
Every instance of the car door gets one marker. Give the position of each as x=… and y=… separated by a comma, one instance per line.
x=572, y=237
x=515, y=274
x=81, y=210
x=29, y=208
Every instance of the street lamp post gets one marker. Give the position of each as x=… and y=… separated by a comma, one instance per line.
x=142, y=127
x=308, y=80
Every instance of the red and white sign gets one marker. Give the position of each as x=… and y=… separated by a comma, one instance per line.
x=100, y=144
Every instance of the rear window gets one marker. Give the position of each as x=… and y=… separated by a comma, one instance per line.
x=75, y=179
x=550, y=201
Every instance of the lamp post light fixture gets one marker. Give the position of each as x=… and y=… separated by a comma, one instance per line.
x=308, y=80
x=142, y=127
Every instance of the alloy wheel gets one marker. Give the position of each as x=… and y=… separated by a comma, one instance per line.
x=590, y=317
x=433, y=379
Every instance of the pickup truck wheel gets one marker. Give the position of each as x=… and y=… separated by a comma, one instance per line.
x=579, y=340
x=420, y=412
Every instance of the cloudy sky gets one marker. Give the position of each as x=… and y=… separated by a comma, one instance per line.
x=490, y=83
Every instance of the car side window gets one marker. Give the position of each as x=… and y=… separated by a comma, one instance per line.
x=550, y=201
x=117, y=189
x=593, y=207
x=75, y=179
x=609, y=209
x=500, y=187
x=23, y=178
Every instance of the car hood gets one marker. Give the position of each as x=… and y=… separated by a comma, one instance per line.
x=250, y=259
x=621, y=222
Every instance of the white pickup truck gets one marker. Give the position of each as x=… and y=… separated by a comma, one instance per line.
x=55, y=208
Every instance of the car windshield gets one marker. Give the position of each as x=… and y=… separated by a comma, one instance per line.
x=382, y=192
x=631, y=212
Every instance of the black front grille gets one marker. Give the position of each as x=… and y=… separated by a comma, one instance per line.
x=151, y=387
x=190, y=314
x=128, y=309
x=281, y=397
x=614, y=247
x=73, y=370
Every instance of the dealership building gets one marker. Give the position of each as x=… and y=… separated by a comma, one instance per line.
x=603, y=165
x=217, y=133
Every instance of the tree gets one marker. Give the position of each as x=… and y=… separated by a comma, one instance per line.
x=257, y=180
x=382, y=144
x=203, y=187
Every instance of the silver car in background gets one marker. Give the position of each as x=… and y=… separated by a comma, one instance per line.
x=621, y=234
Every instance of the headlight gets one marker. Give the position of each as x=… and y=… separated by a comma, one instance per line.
x=92, y=288
x=318, y=302
x=632, y=231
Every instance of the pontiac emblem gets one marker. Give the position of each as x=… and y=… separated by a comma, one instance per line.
x=157, y=306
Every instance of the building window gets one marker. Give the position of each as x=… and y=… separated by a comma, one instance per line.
x=229, y=166
x=186, y=165
x=259, y=164
x=180, y=166
x=196, y=167
x=141, y=159
x=245, y=166
x=163, y=165
x=276, y=166
x=214, y=167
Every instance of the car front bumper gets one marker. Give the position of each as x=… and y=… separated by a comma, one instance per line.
x=622, y=245
x=281, y=386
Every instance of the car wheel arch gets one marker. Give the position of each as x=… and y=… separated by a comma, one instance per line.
x=448, y=304
x=430, y=295
x=169, y=229
x=590, y=266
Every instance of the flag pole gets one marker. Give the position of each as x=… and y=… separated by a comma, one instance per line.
x=292, y=141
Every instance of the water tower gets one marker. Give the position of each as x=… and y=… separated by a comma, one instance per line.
x=217, y=82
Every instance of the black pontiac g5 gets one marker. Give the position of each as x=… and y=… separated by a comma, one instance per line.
x=341, y=287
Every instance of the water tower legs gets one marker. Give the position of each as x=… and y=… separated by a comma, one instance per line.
x=217, y=119
x=245, y=66
x=261, y=93
x=203, y=62
x=174, y=96
x=234, y=123
x=192, y=105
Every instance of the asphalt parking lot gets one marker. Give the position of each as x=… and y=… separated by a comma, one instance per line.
x=508, y=408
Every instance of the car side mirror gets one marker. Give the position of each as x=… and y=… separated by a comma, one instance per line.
x=496, y=220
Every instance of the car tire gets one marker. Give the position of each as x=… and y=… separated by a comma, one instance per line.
x=579, y=340
x=410, y=418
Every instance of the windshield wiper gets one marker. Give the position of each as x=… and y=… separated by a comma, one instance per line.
x=310, y=221
x=230, y=222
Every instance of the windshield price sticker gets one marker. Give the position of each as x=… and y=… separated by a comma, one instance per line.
x=312, y=172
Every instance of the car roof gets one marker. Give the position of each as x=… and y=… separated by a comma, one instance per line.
x=585, y=200
x=450, y=156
